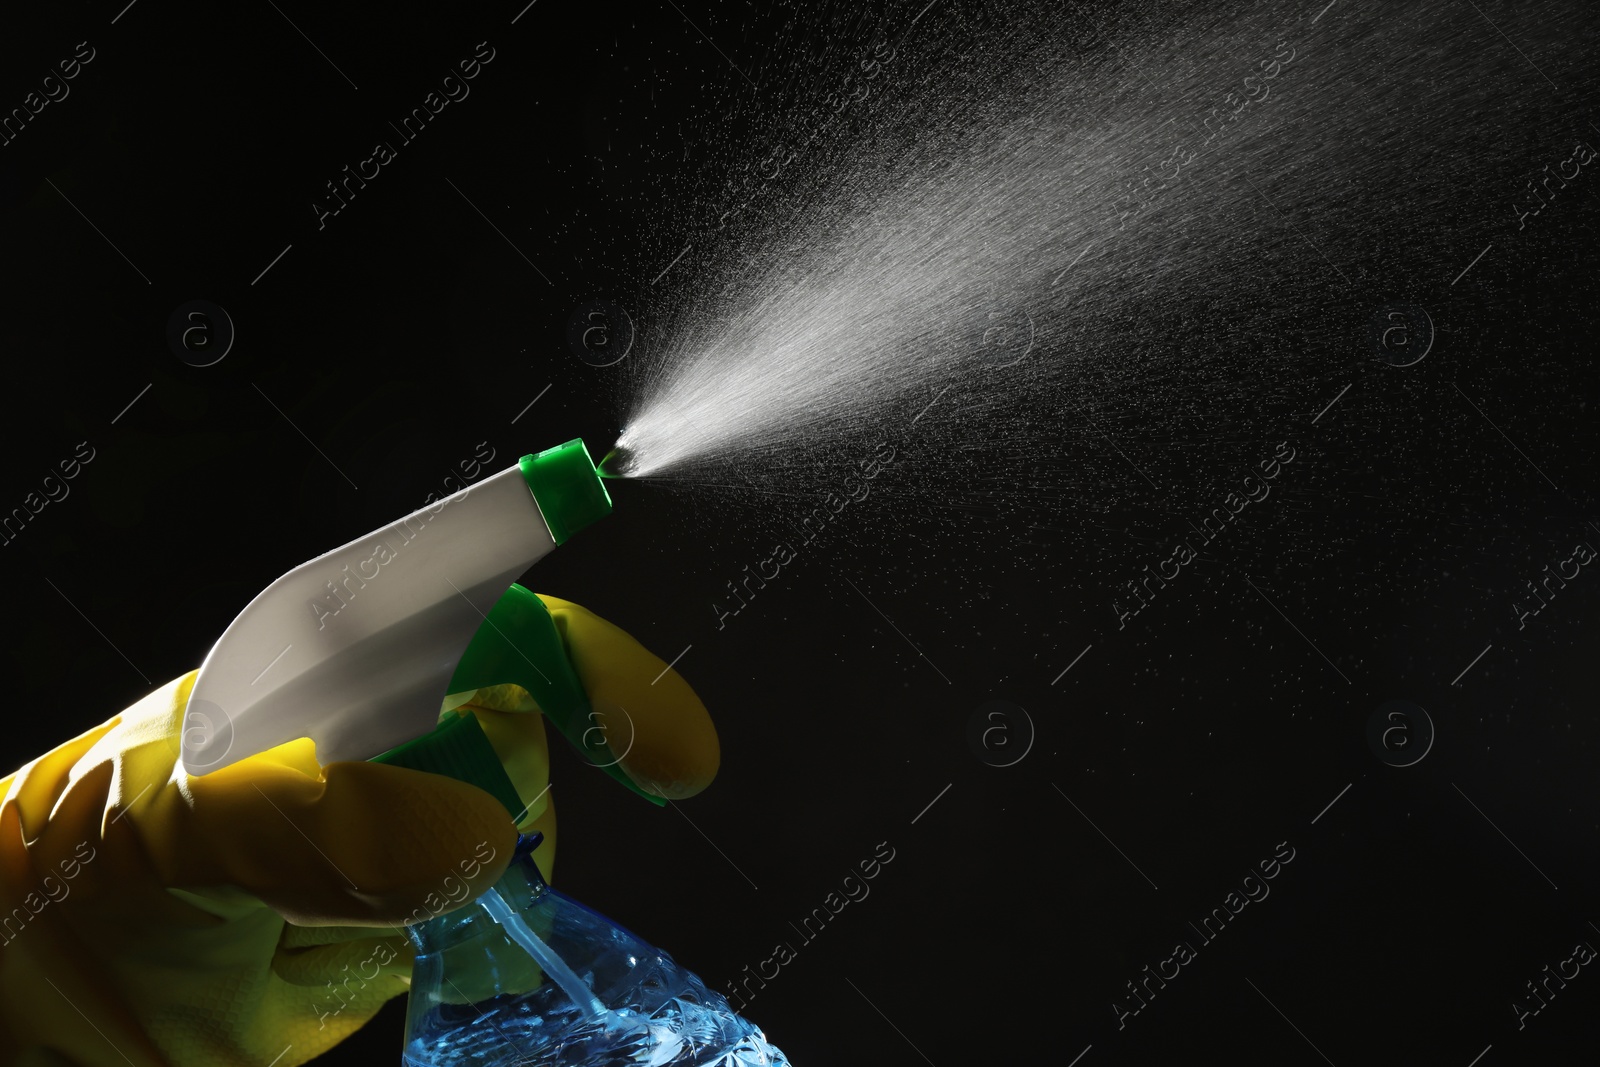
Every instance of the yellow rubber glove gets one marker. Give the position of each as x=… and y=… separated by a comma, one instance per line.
x=252, y=916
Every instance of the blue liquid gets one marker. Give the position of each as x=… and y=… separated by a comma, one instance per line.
x=613, y=1000
x=695, y=1028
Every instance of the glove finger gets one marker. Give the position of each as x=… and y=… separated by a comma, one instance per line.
x=363, y=844
x=514, y=727
x=652, y=719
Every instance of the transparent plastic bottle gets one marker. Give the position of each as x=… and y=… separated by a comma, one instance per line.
x=527, y=977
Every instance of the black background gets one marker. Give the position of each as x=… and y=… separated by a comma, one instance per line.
x=600, y=142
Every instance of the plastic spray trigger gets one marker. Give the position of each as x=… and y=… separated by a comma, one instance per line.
x=519, y=644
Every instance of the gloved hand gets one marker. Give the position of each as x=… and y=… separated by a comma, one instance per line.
x=252, y=917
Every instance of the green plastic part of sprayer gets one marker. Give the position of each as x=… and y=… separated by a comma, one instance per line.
x=519, y=644
x=567, y=488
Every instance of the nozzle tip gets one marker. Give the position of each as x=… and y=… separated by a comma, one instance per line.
x=616, y=463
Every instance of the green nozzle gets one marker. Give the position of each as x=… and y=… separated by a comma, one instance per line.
x=617, y=463
x=567, y=488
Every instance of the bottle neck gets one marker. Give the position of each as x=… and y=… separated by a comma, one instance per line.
x=521, y=884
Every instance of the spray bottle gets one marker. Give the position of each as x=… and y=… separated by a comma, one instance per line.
x=366, y=649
